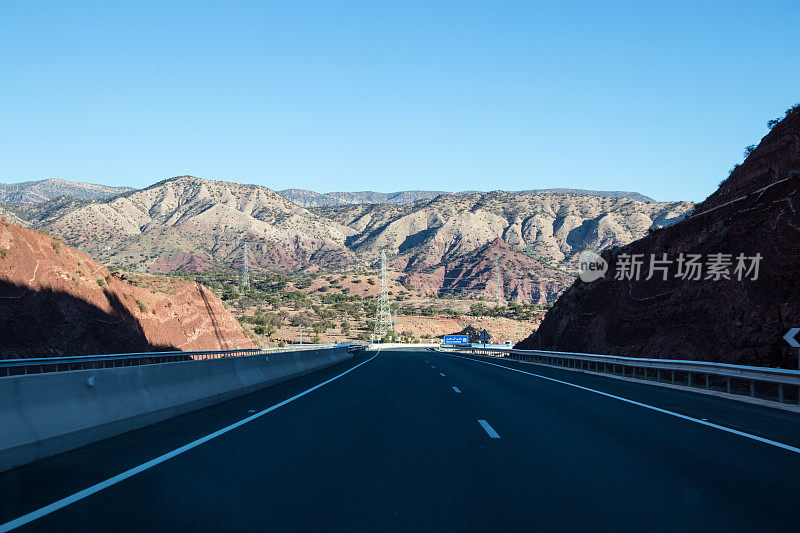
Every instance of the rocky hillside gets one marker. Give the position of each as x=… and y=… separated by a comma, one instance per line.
x=55, y=300
x=44, y=190
x=549, y=226
x=426, y=236
x=306, y=198
x=189, y=223
x=186, y=223
x=522, y=278
x=585, y=192
x=755, y=211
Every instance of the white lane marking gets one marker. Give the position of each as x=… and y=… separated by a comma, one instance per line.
x=457, y=390
x=441, y=374
x=489, y=429
x=80, y=495
x=775, y=443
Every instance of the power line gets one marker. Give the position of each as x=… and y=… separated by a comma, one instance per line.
x=383, y=313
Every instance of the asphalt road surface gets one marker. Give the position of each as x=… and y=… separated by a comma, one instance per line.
x=420, y=440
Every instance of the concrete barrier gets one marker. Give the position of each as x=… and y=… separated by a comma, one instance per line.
x=47, y=414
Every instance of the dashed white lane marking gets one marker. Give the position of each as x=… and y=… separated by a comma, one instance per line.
x=771, y=442
x=60, y=504
x=489, y=429
x=457, y=390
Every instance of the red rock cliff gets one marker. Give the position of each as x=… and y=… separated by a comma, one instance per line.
x=55, y=300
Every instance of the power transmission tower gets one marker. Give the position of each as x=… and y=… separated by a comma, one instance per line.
x=245, y=267
x=383, y=313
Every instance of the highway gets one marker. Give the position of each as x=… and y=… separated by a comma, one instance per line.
x=422, y=440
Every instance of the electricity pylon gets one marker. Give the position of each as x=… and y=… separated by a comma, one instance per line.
x=383, y=313
x=245, y=267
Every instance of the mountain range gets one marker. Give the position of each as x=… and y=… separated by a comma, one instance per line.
x=187, y=223
x=307, y=198
x=44, y=190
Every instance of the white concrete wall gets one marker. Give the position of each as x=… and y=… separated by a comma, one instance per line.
x=46, y=414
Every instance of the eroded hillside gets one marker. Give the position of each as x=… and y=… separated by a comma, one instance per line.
x=738, y=317
x=55, y=300
x=441, y=245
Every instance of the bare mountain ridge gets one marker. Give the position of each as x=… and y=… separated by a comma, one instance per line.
x=48, y=189
x=426, y=237
x=306, y=198
x=186, y=223
x=550, y=226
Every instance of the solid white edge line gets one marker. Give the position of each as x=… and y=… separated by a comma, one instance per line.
x=771, y=442
x=457, y=390
x=489, y=429
x=80, y=495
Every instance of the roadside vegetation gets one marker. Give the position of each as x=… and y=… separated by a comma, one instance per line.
x=279, y=309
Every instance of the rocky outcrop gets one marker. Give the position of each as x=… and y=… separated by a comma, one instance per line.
x=55, y=300
x=521, y=279
x=755, y=211
x=184, y=222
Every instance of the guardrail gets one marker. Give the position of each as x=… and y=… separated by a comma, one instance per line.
x=47, y=413
x=16, y=367
x=772, y=384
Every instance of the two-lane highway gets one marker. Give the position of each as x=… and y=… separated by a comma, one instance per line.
x=426, y=440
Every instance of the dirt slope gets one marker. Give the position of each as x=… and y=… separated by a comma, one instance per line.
x=55, y=300
x=756, y=210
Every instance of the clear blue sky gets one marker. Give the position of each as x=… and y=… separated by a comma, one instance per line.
x=661, y=99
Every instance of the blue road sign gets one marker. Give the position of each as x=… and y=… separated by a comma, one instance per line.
x=456, y=339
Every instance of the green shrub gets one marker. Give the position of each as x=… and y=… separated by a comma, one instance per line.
x=4, y=252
